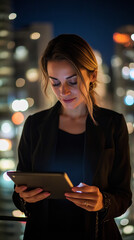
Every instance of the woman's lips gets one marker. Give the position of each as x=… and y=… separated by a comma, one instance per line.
x=68, y=100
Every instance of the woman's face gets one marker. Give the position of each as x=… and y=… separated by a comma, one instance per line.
x=64, y=83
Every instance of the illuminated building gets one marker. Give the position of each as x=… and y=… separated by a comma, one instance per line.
x=8, y=138
x=30, y=43
x=123, y=78
x=20, y=95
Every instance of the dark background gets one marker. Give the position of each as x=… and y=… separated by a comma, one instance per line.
x=95, y=20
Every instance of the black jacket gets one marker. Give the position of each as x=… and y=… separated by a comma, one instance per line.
x=106, y=161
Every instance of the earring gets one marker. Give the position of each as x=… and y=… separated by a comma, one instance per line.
x=92, y=85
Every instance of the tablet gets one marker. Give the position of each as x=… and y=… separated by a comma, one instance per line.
x=55, y=183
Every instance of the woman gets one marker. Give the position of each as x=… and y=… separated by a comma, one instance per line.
x=78, y=137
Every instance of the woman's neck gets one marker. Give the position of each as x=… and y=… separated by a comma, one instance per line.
x=78, y=112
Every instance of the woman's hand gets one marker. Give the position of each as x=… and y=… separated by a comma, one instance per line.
x=31, y=196
x=87, y=197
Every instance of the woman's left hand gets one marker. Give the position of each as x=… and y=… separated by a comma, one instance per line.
x=87, y=197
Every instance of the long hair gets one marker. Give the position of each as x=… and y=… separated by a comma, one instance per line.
x=79, y=53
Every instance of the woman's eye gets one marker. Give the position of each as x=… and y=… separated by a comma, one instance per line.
x=55, y=84
x=73, y=83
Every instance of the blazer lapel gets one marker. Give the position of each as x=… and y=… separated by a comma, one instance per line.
x=47, y=140
x=94, y=145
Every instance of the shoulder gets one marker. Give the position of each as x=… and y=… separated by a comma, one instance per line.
x=107, y=117
x=44, y=115
x=106, y=113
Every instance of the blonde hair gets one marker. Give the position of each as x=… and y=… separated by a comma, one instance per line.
x=79, y=53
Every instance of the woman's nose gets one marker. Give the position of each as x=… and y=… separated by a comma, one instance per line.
x=65, y=90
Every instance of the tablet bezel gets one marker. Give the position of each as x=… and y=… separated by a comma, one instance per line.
x=55, y=182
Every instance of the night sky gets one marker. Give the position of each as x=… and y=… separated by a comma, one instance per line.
x=95, y=20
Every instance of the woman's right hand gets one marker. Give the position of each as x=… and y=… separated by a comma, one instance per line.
x=31, y=196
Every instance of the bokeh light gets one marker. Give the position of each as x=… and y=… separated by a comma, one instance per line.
x=18, y=213
x=35, y=35
x=5, y=144
x=132, y=73
x=121, y=38
x=7, y=164
x=20, y=82
x=130, y=127
x=129, y=100
x=20, y=105
x=128, y=229
x=7, y=129
x=21, y=53
x=30, y=101
x=17, y=118
x=12, y=16
x=32, y=75
x=132, y=36
x=125, y=72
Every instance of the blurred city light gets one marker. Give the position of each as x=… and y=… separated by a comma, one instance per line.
x=130, y=127
x=10, y=45
x=128, y=229
x=12, y=16
x=6, y=164
x=98, y=57
x=121, y=38
x=129, y=100
x=20, y=105
x=23, y=105
x=106, y=79
x=120, y=91
x=131, y=65
x=32, y=74
x=6, y=70
x=17, y=118
x=35, y=35
x=116, y=61
x=15, y=105
x=30, y=101
x=124, y=222
x=125, y=72
x=18, y=213
x=130, y=92
x=132, y=73
x=5, y=144
x=4, y=54
x=7, y=129
x=21, y=53
x=20, y=82
x=4, y=33
x=132, y=36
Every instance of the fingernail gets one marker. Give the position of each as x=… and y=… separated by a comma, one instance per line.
x=39, y=189
x=47, y=193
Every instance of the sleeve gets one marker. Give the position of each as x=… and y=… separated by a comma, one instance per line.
x=24, y=164
x=119, y=196
x=24, y=148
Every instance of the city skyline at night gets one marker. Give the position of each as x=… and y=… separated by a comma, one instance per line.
x=96, y=21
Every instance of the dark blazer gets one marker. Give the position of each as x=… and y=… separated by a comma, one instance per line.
x=106, y=162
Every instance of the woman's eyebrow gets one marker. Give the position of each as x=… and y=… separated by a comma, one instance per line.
x=53, y=78
x=74, y=75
